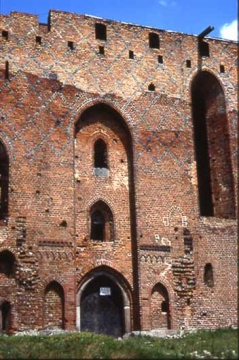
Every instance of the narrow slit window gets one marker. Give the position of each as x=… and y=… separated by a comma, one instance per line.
x=101, y=50
x=100, y=31
x=222, y=69
x=6, y=70
x=208, y=275
x=160, y=59
x=188, y=63
x=131, y=54
x=38, y=40
x=154, y=41
x=5, y=34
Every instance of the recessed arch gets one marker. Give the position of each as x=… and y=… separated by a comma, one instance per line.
x=104, y=303
x=212, y=147
x=160, y=307
x=54, y=306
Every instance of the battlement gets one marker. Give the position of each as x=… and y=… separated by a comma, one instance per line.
x=105, y=56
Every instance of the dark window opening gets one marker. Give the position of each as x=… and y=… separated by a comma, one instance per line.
x=153, y=41
x=101, y=222
x=100, y=31
x=203, y=48
x=212, y=147
x=7, y=263
x=70, y=45
x=101, y=50
x=164, y=307
x=222, y=68
x=5, y=310
x=151, y=87
x=97, y=226
x=131, y=54
x=208, y=275
x=4, y=179
x=188, y=63
x=6, y=70
x=202, y=156
x=160, y=59
x=5, y=34
x=38, y=40
x=100, y=154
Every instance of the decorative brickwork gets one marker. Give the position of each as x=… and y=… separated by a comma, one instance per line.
x=118, y=173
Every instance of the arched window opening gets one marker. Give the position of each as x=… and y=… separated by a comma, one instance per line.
x=208, y=275
x=101, y=222
x=7, y=263
x=54, y=306
x=5, y=317
x=100, y=158
x=212, y=147
x=4, y=180
x=160, y=307
x=151, y=87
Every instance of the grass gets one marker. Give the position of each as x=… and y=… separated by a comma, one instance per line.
x=218, y=344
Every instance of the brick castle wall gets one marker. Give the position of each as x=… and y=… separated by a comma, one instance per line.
x=59, y=94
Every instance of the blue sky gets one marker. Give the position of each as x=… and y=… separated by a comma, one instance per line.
x=189, y=16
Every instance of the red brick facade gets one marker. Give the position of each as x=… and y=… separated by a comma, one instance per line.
x=118, y=160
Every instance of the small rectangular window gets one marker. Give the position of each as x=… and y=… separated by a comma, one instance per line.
x=70, y=45
x=38, y=40
x=160, y=59
x=100, y=31
x=131, y=54
x=101, y=50
x=188, y=63
x=222, y=68
x=153, y=40
x=203, y=48
x=5, y=34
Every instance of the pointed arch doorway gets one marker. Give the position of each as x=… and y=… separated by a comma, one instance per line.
x=103, y=306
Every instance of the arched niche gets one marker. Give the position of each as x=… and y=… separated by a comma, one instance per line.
x=160, y=309
x=212, y=147
x=54, y=304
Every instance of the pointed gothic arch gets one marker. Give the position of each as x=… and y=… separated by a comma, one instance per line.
x=212, y=147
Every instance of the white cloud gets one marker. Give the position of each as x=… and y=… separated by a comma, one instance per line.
x=229, y=31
